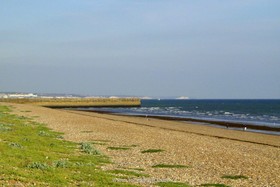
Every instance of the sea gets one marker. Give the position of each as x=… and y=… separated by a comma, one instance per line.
x=255, y=112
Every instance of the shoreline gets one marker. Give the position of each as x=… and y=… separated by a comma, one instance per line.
x=185, y=127
x=209, y=153
x=214, y=123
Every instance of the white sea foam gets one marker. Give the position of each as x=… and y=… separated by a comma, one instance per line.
x=204, y=110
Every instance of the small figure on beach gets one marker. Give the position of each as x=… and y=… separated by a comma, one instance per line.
x=245, y=128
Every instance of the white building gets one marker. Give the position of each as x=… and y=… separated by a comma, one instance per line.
x=19, y=95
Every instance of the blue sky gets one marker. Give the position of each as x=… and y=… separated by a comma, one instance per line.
x=195, y=48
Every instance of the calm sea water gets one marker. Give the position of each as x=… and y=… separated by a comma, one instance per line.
x=258, y=112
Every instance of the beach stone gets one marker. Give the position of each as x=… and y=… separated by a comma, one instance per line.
x=209, y=152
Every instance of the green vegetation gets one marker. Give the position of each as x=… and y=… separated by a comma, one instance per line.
x=215, y=185
x=169, y=166
x=119, y=148
x=60, y=164
x=234, y=177
x=4, y=128
x=87, y=148
x=15, y=145
x=152, y=151
x=172, y=184
x=38, y=165
x=33, y=155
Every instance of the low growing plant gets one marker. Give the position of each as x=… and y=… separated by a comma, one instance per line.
x=234, y=177
x=38, y=165
x=43, y=133
x=87, y=148
x=118, y=148
x=60, y=164
x=16, y=145
x=152, y=151
x=169, y=166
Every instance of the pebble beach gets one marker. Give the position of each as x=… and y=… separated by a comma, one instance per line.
x=206, y=154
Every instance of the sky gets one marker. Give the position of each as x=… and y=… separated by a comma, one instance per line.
x=203, y=49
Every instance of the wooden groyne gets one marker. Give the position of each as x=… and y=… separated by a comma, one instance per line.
x=76, y=102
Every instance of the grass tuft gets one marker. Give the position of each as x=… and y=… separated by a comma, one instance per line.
x=118, y=148
x=15, y=145
x=60, y=164
x=152, y=151
x=87, y=148
x=43, y=133
x=169, y=166
x=38, y=165
x=59, y=137
x=234, y=177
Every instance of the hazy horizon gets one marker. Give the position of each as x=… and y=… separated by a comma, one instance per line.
x=144, y=97
x=199, y=49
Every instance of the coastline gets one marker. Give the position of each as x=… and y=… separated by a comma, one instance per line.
x=208, y=152
x=215, y=123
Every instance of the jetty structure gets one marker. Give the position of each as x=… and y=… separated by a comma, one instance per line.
x=75, y=102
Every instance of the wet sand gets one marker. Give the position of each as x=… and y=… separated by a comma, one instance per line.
x=208, y=152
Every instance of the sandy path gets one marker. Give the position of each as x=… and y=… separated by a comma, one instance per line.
x=209, y=152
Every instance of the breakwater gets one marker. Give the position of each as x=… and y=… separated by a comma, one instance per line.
x=76, y=102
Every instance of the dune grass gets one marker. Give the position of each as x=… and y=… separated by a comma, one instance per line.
x=31, y=154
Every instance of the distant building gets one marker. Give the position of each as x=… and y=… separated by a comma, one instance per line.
x=18, y=95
